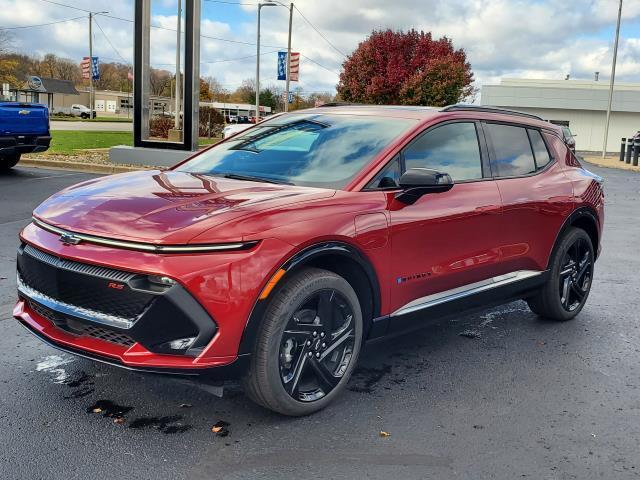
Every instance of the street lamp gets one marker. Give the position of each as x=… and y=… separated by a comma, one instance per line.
x=260, y=5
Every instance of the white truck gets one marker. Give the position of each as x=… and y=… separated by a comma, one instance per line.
x=76, y=110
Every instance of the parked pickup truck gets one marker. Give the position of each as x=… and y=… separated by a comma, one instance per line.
x=24, y=128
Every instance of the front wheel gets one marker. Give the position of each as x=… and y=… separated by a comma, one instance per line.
x=7, y=162
x=570, y=277
x=307, y=344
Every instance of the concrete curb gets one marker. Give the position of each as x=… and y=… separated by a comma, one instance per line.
x=79, y=166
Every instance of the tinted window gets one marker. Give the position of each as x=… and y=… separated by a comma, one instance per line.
x=512, y=154
x=388, y=177
x=539, y=149
x=451, y=148
x=303, y=149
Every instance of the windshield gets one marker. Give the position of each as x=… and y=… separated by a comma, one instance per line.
x=301, y=149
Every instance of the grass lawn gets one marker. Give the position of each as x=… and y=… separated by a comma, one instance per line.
x=69, y=142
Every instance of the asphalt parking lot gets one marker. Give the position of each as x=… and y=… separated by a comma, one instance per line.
x=526, y=398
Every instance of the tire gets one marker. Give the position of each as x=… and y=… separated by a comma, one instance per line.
x=299, y=363
x=570, y=278
x=84, y=116
x=7, y=162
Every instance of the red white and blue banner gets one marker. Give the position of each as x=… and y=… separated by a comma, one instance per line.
x=90, y=68
x=295, y=66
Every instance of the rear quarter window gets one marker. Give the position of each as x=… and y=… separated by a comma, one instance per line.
x=540, y=150
x=511, y=150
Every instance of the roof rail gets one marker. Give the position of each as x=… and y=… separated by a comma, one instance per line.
x=462, y=107
x=339, y=104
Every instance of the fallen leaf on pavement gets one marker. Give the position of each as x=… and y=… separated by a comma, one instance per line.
x=185, y=405
x=220, y=428
x=118, y=420
x=385, y=434
x=97, y=410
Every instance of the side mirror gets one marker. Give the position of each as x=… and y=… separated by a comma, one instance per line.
x=417, y=182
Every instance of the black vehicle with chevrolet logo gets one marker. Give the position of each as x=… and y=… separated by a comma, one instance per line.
x=24, y=128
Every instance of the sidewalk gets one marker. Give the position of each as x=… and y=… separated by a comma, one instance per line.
x=610, y=161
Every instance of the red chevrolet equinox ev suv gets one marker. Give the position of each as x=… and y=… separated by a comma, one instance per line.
x=275, y=254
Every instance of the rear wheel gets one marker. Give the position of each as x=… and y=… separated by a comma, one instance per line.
x=7, y=162
x=308, y=344
x=571, y=274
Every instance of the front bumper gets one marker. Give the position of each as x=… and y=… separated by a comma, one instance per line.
x=136, y=359
x=24, y=144
x=114, y=316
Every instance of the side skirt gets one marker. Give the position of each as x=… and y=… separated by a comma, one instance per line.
x=475, y=297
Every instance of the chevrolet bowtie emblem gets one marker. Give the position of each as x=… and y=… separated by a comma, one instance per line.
x=69, y=239
x=24, y=112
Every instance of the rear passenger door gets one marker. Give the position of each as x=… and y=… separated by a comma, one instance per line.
x=536, y=194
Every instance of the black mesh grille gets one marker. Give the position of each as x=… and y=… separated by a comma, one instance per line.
x=82, y=285
x=81, y=329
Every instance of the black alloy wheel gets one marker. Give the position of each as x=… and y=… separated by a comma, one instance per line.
x=571, y=270
x=307, y=344
x=575, y=275
x=317, y=346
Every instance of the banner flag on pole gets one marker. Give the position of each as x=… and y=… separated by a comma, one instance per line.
x=282, y=66
x=295, y=66
x=90, y=68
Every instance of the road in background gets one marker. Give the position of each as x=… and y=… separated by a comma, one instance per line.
x=92, y=126
x=523, y=398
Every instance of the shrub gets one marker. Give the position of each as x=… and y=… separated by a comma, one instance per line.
x=211, y=122
x=159, y=126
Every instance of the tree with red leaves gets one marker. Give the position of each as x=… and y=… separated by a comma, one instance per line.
x=398, y=68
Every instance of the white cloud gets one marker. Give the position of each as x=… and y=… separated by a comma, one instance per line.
x=535, y=38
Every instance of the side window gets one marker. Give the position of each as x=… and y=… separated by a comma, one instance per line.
x=388, y=177
x=539, y=149
x=512, y=155
x=451, y=148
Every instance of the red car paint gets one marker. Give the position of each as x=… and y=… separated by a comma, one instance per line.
x=475, y=231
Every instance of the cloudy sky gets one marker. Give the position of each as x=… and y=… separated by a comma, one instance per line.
x=511, y=38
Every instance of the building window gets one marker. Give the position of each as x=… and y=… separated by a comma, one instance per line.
x=125, y=104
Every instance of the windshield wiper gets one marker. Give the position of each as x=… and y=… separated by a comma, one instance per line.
x=251, y=178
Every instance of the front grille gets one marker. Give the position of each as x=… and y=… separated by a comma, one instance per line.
x=82, y=285
x=81, y=329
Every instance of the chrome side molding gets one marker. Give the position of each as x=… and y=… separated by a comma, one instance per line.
x=465, y=291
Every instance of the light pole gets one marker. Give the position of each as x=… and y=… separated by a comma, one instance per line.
x=91, y=92
x=286, y=91
x=611, y=81
x=176, y=124
x=260, y=5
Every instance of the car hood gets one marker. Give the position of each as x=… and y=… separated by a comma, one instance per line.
x=164, y=207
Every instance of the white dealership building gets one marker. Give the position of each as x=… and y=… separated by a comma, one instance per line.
x=579, y=104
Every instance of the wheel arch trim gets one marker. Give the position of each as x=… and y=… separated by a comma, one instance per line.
x=298, y=260
x=579, y=213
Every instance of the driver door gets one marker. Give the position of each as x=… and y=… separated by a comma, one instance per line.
x=444, y=241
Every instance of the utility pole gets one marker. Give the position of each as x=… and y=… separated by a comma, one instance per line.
x=286, y=97
x=258, y=68
x=611, y=82
x=178, y=73
x=91, y=93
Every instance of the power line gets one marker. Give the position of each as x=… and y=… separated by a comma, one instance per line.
x=319, y=32
x=67, y=6
x=109, y=41
x=230, y=3
x=42, y=24
x=319, y=64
